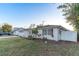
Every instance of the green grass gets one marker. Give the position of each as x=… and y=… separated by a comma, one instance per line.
x=24, y=47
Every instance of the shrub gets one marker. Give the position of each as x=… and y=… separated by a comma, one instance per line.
x=35, y=31
x=30, y=37
x=44, y=38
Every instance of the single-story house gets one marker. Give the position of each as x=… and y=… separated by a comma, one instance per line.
x=22, y=32
x=50, y=32
x=56, y=32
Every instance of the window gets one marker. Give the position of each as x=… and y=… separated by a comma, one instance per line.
x=30, y=32
x=44, y=32
x=50, y=32
x=60, y=32
x=20, y=30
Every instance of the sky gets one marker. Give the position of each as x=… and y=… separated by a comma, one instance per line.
x=24, y=14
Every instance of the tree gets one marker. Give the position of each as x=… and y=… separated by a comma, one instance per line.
x=71, y=12
x=6, y=28
x=32, y=26
x=34, y=30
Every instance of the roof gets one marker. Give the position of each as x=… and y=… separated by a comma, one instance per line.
x=52, y=26
x=21, y=29
x=18, y=29
x=42, y=27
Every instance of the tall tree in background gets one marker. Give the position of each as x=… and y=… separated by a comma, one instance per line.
x=71, y=12
x=32, y=26
x=6, y=27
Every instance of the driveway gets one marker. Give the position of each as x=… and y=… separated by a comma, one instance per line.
x=6, y=36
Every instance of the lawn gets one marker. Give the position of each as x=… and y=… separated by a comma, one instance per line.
x=24, y=47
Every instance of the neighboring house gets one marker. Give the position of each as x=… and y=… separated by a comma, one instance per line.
x=22, y=32
x=50, y=32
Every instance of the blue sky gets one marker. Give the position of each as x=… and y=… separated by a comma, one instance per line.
x=24, y=14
